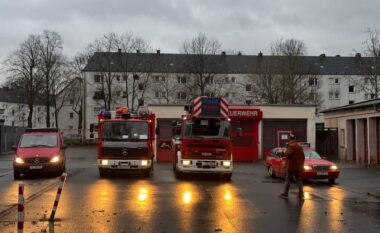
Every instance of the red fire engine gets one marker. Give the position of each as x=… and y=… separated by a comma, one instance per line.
x=125, y=141
x=203, y=144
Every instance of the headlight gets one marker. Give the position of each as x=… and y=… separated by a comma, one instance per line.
x=226, y=163
x=186, y=162
x=144, y=162
x=55, y=159
x=104, y=162
x=307, y=168
x=19, y=160
x=333, y=167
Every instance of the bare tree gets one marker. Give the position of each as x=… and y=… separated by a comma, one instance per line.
x=294, y=71
x=370, y=83
x=22, y=66
x=51, y=64
x=201, y=62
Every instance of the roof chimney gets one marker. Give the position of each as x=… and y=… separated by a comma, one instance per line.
x=158, y=51
x=223, y=53
x=338, y=55
x=239, y=53
x=322, y=55
x=119, y=50
x=358, y=55
x=138, y=51
x=260, y=54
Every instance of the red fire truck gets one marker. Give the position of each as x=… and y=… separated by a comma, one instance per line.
x=125, y=141
x=203, y=144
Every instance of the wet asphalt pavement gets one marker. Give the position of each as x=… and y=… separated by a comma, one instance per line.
x=161, y=203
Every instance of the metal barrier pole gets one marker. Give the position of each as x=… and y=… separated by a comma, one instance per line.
x=59, y=191
x=20, y=208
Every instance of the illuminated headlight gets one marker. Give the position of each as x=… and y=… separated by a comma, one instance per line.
x=333, y=167
x=144, y=162
x=104, y=162
x=226, y=163
x=19, y=160
x=55, y=159
x=307, y=168
x=186, y=162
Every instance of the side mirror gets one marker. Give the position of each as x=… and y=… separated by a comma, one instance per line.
x=157, y=130
x=14, y=147
x=239, y=132
x=64, y=146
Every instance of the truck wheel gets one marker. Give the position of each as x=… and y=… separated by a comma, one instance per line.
x=332, y=181
x=102, y=173
x=226, y=177
x=16, y=175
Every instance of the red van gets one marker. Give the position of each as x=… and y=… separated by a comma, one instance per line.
x=40, y=151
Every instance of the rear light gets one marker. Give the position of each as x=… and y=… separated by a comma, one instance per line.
x=333, y=167
x=307, y=168
x=19, y=160
x=104, y=162
x=55, y=159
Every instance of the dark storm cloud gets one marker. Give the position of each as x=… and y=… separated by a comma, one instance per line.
x=333, y=27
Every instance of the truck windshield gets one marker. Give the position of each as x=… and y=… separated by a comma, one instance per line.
x=28, y=141
x=125, y=131
x=207, y=128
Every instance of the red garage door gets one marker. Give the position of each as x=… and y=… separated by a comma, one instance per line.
x=245, y=148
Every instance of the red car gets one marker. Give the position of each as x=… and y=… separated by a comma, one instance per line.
x=39, y=151
x=315, y=167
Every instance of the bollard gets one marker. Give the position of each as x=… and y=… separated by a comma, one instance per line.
x=59, y=191
x=20, y=208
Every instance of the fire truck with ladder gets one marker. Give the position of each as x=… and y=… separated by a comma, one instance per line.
x=202, y=142
x=125, y=141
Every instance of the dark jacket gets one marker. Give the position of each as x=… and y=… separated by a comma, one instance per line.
x=294, y=154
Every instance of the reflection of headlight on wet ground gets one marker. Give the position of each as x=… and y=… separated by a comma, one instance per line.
x=187, y=197
x=143, y=194
x=227, y=195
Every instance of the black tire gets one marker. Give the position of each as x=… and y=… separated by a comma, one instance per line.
x=16, y=175
x=226, y=177
x=331, y=181
x=103, y=173
x=271, y=172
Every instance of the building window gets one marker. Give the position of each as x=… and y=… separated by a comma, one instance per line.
x=98, y=78
x=71, y=115
x=71, y=127
x=366, y=96
x=209, y=94
x=313, y=81
x=232, y=79
x=38, y=109
x=71, y=101
x=181, y=95
x=351, y=89
x=336, y=81
x=226, y=80
x=181, y=79
x=331, y=95
x=98, y=95
x=337, y=95
x=2, y=111
x=13, y=123
x=351, y=102
x=13, y=112
x=209, y=80
x=125, y=77
x=248, y=87
x=331, y=81
x=118, y=77
x=156, y=78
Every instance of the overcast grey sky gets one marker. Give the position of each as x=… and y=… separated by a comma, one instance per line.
x=326, y=26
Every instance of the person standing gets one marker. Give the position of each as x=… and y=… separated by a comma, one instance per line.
x=295, y=156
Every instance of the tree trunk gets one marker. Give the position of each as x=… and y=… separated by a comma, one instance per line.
x=30, y=116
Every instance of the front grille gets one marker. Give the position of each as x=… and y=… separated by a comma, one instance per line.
x=37, y=160
x=321, y=167
x=124, y=152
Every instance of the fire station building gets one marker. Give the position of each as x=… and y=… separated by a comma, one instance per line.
x=359, y=130
x=263, y=128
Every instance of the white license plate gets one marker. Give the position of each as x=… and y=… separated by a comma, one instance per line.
x=35, y=167
x=322, y=173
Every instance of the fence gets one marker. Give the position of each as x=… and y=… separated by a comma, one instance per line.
x=9, y=135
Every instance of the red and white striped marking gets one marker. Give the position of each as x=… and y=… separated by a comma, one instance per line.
x=21, y=210
x=197, y=109
x=59, y=192
x=224, y=107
